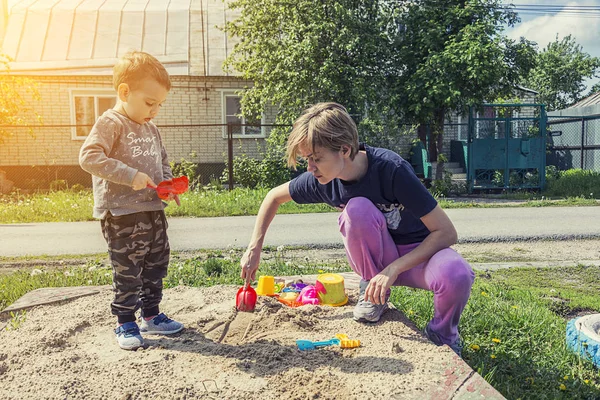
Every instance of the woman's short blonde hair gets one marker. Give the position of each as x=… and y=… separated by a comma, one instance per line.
x=326, y=125
x=136, y=66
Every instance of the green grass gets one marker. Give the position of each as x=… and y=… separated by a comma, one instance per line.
x=574, y=182
x=514, y=332
x=66, y=206
x=524, y=309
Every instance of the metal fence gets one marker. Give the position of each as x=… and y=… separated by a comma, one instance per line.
x=205, y=151
x=574, y=142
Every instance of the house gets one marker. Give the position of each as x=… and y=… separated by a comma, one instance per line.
x=70, y=46
x=575, y=135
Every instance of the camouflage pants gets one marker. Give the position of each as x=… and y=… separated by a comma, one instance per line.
x=139, y=251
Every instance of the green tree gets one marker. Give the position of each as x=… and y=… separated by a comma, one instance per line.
x=15, y=95
x=455, y=54
x=305, y=51
x=560, y=71
x=387, y=61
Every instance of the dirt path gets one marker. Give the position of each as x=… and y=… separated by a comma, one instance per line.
x=573, y=252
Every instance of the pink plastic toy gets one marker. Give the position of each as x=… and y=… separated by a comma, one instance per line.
x=308, y=295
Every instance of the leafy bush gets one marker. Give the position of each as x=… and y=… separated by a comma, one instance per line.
x=76, y=188
x=187, y=168
x=246, y=171
x=446, y=187
x=58, y=184
x=213, y=266
x=575, y=183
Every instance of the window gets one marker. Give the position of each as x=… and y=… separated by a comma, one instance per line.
x=231, y=115
x=86, y=107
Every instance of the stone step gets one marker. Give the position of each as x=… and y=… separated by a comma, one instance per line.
x=447, y=165
x=453, y=171
x=455, y=177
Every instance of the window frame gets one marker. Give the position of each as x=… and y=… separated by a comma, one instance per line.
x=96, y=93
x=230, y=93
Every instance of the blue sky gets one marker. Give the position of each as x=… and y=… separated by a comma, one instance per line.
x=543, y=27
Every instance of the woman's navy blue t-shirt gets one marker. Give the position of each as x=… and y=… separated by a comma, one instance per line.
x=390, y=183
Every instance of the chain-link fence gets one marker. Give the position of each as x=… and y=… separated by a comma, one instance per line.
x=47, y=157
x=574, y=142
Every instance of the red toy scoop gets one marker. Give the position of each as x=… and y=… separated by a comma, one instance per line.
x=246, y=298
x=176, y=186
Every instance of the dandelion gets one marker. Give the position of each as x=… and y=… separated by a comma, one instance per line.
x=562, y=386
x=566, y=377
x=484, y=293
x=515, y=307
x=36, y=272
x=320, y=271
x=586, y=381
x=493, y=356
x=496, y=340
x=410, y=312
x=475, y=347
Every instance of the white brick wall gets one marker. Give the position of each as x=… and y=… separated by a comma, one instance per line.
x=187, y=104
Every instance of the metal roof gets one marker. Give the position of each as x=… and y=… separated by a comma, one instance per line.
x=591, y=100
x=87, y=36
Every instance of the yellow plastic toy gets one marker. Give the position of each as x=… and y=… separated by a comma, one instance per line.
x=346, y=343
x=331, y=289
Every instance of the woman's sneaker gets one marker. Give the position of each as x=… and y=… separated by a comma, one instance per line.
x=128, y=336
x=435, y=338
x=365, y=310
x=160, y=325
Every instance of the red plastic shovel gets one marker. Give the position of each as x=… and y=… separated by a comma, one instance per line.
x=245, y=299
x=175, y=186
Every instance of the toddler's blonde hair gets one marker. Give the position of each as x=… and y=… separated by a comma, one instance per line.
x=136, y=66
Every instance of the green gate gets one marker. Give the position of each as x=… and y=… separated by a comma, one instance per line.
x=506, y=147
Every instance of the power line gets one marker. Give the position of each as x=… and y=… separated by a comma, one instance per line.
x=579, y=11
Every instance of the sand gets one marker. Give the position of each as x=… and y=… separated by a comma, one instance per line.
x=68, y=351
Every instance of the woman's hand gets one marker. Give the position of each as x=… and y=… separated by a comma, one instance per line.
x=379, y=285
x=249, y=264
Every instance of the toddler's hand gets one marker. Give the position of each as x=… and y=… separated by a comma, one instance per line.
x=141, y=181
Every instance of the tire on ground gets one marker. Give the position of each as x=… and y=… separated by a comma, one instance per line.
x=583, y=337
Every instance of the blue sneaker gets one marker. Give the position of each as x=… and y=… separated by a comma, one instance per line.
x=128, y=336
x=161, y=325
x=435, y=338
